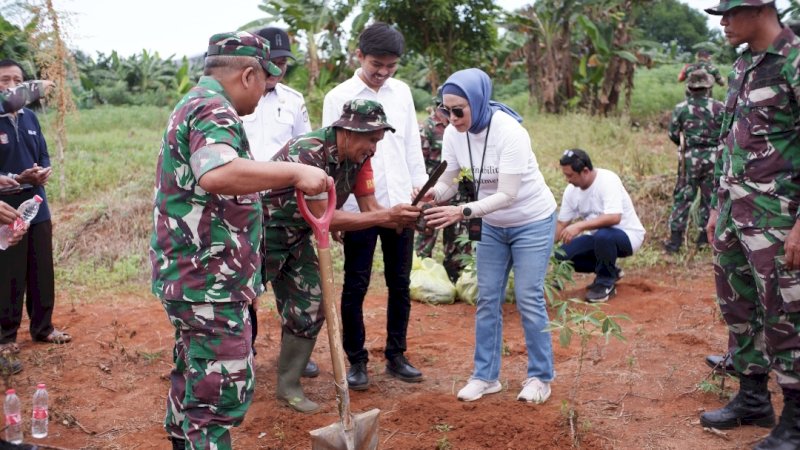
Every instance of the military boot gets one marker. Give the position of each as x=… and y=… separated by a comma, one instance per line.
x=751, y=406
x=702, y=239
x=786, y=436
x=673, y=245
x=294, y=355
x=178, y=444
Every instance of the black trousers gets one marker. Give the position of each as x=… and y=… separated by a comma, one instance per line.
x=359, y=249
x=26, y=273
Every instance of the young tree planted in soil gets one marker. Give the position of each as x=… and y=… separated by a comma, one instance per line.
x=587, y=321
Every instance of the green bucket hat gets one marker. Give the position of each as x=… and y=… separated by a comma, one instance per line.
x=242, y=43
x=699, y=79
x=363, y=116
x=727, y=5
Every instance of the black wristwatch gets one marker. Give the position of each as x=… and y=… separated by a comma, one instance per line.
x=466, y=211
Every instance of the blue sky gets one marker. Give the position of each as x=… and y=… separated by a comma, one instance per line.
x=182, y=27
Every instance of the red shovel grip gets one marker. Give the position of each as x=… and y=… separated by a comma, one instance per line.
x=320, y=225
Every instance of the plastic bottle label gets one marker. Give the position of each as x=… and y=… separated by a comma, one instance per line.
x=13, y=419
x=40, y=414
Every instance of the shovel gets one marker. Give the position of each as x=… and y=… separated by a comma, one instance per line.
x=353, y=431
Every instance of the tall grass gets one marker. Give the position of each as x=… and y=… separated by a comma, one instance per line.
x=102, y=229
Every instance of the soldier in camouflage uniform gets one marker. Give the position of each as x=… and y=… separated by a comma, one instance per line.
x=343, y=150
x=206, y=239
x=14, y=99
x=703, y=62
x=699, y=118
x=431, y=133
x=756, y=233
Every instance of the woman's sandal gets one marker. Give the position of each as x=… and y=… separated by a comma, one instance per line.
x=57, y=337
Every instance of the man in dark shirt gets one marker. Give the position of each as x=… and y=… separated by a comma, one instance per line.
x=29, y=264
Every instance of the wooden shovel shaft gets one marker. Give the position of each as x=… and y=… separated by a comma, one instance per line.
x=331, y=312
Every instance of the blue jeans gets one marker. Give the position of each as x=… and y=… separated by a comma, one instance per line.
x=598, y=253
x=526, y=249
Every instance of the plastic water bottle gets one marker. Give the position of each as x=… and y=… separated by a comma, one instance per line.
x=27, y=211
x=11, y=407
x=39, y=417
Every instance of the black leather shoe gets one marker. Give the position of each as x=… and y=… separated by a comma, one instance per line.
x=399, y=367
x=722, y=364
x=357, y=378
x=311, y=370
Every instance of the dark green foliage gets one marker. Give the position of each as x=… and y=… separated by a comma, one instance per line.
x=665, y=21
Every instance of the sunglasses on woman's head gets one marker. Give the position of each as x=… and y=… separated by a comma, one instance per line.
x=458, y=111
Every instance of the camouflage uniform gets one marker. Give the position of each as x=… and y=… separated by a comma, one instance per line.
x=699, y=117
x=291, y=263
x=15, y=98
x=431, y=133
x=758, y=198
x=704, y=65
x=205, y=260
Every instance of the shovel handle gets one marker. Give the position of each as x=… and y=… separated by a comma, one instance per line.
x=320, y=226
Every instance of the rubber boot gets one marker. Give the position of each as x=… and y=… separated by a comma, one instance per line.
x=786, y=436
x=295, y=352
x=178, y=444
x=751, y=406
x=673, y=245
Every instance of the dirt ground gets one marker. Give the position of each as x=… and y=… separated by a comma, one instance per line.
x=108, y=387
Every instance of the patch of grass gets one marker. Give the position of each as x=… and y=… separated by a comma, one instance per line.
x=442, y=427
x=657, y=90
x=151, y=357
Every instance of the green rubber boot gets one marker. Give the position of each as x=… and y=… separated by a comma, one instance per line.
x=295, y=353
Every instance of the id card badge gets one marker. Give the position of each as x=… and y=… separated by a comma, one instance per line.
x=474, y=227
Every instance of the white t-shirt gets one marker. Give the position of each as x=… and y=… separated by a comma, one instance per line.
x=508, y=151
x=280, y=116
x=398, y=165
x=606, y=195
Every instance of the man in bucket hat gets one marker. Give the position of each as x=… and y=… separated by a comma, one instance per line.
x=205, y=246
x=698, y=118
x=343, y=150
x=755, y=220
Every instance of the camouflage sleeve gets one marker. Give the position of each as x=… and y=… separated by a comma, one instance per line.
x=210, y=157
x=675, y=126
x=215, y=123
x=718, y=168
x=426, y=143
x=15, y=98
x=717, y=76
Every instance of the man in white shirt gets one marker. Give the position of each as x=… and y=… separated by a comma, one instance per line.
x=398, y=167
x=280, y=116
x=596, y=223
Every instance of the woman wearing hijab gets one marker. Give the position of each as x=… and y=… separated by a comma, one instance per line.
x=513, y=218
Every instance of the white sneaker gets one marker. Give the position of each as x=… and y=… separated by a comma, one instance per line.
x=534, y=391
x=476, y=389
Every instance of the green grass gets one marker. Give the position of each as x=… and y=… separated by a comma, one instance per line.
x=103, y=225
x=657, y=90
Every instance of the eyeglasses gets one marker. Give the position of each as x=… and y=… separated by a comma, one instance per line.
x=458, y=111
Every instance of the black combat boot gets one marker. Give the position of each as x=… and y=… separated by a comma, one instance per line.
x=786, y=436
x=673, y=245
x=702, y=239
x=178, y=444
x=751, y=406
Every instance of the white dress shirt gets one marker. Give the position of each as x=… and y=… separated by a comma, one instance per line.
x=398, y=163
x=279, y=116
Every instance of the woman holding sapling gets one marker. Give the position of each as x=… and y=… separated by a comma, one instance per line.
x=511, y=215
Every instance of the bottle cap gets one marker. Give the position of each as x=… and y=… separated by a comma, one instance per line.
x=11, y=391
x=37, y=199
x=40, y=386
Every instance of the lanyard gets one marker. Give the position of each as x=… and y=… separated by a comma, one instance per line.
x=483, y=159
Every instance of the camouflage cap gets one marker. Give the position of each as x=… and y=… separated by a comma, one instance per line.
x=700, y=79
x=363, y=115
x=727, y=5
x=242, y=43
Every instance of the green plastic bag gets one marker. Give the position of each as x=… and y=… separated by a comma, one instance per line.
x=429, y=283
x=467, y=287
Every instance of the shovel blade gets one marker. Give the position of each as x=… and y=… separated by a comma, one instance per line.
x=363, y=436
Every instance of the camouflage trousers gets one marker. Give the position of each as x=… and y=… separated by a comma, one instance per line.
x=759, y=299
x=699, y=175
x=211, y=384
x=452, y=249
x=293, y=269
